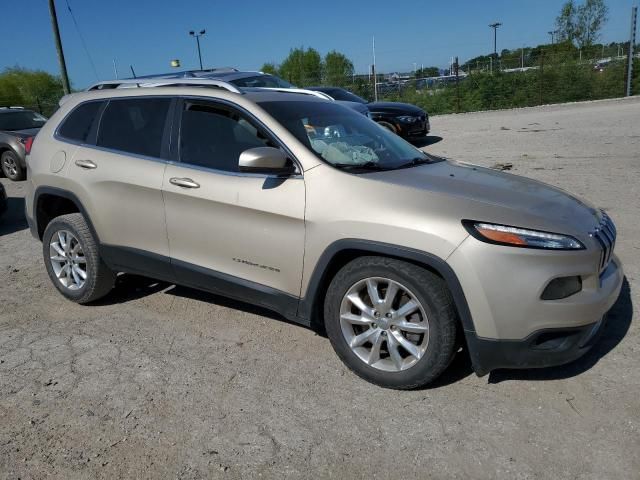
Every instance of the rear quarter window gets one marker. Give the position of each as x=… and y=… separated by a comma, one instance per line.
x=78, y=123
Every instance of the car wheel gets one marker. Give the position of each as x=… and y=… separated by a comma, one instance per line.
x=391, y=322
x=73, y=261
x=11, y=166
x=388, y=126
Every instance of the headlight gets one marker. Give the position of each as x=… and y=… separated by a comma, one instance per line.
x=521, y=237
x=407, y=119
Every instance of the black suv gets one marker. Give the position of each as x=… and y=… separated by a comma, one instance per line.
x=405, y=119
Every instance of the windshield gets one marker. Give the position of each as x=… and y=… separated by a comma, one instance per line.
x=345, y=96
x=21, y=120
x=343, y=137
x=269, y=81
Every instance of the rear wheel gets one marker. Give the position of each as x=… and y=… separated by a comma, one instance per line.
x=391, y=322
x=11, y=166
x=73, y=261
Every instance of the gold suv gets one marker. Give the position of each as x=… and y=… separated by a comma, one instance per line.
x=295, y=203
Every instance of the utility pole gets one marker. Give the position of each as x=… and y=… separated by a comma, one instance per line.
x=632, y=42
x=375, y=75
x=457, y=72
x=495, y=26
x=56, y=36
x=552, y=33
x=198, y=35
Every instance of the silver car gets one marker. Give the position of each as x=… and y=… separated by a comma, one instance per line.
x=300, y=205
x=18, y=127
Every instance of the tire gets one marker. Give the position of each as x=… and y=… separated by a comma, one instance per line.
x=388, y=126
x=435, y=310
x=11, y=166
x=99, y=280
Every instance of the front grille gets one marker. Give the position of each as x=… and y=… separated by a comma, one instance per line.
x=605, y=234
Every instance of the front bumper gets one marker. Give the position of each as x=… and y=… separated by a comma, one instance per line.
x=545, y=348
x=414, y=130
x=512, y=326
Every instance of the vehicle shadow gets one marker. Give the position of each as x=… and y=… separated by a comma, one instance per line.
x=426, y=141
x=13, y=220
x=615, y=329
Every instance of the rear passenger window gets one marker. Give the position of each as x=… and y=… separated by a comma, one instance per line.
x=214, y=136
x=77, y=125
x=134, y=125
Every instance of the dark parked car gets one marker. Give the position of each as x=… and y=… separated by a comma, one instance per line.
x=3, y=200
x=18, y=127
x=405, y=119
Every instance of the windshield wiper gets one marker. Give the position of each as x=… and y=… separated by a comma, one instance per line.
x=372, y=166
x=414, y=161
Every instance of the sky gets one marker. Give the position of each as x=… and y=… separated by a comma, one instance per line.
x=148, y=34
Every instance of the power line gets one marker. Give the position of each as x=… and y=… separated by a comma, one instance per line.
x=84, y=44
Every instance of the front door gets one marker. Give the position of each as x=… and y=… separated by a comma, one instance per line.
x=230, y=232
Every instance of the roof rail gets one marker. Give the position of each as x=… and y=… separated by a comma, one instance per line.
x=163, y=82
x=297, y=90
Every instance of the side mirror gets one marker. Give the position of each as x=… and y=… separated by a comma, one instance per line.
x=264, y=160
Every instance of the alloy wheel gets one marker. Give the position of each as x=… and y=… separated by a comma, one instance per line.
x=384, y=324
x=10, y=166
x=67, y=260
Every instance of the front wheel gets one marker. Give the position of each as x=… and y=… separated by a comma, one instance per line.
x=73, y=261
x=391, y=322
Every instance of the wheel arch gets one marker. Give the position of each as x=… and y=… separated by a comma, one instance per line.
x=51, y=202
x=343, y=251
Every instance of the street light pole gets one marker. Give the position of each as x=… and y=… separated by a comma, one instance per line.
x=198, y=35
x=56, y=35
x=495, y=37
x=552, y=33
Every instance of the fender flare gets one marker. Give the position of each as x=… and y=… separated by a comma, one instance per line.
x=59, y=192
x=368, y=247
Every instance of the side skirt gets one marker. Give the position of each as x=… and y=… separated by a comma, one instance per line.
x=139, y=262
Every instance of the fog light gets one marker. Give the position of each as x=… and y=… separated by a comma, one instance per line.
x=563, y=287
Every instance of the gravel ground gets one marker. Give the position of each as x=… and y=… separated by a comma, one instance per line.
x=160, y=381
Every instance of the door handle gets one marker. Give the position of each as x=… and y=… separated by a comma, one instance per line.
x=184, y=182
x=88, y=164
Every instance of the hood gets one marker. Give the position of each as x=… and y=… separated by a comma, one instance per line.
x=395, y=107
x=527, y=203
x=358, y=107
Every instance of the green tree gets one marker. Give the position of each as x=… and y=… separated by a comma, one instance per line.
x=566, y=21
x=271, y=68
x=338, y=69
x=427, y=72
x=302, y=67
x=31, y=88
x=591, y=18
x=582, y=24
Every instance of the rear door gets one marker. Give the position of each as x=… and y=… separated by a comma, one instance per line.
x=120, y=181
x=236, y=233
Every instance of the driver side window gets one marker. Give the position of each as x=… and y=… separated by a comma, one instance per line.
x=214, y=136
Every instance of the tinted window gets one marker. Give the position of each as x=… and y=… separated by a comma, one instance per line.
x=20, y=120
x=215, y=136
x=78, y=124
x=134, y=125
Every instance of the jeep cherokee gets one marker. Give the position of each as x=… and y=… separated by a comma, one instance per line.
x=305, y=207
